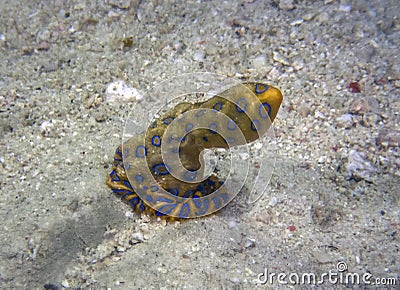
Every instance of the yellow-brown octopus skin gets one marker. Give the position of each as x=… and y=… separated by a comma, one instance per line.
x=236, y=103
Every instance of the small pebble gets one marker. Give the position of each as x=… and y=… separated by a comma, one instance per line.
x=286, y=4
x=250, y=243
x=138, y=237
x=234, y=280
x=322, y=257
x=276, y=56
x=232, y=224
x=122, y=4
x=388, y=137
x=359, y=106
x=304, y=110
x=244, y=156
x=319, y=115
x=260, y=62
x=345, y=121
x=119, y=91
x=273, y=201
x=345, y=8
x=358, y=166
x=198, y=56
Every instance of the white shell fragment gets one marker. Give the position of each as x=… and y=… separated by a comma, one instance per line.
x=120, y=91
x=358, y=166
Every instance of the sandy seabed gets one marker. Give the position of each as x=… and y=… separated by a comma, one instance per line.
x=333, y=200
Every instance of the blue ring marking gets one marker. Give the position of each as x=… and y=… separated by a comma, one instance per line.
x=262, y=90
x=213, y=127
x=200, y=113
x=156, y=140
x=255, y=125
x=267, y=108
x=149, y=198
x=134, y=201
x=230, y=140
x=154, y=188
x=175, y=150
x=211, y=183
x=145, y=187
x=185, y=210
x=128, y=166
x=188, y=193
x=241, y=105
x=205, y=138
x=114, y=176
x=217, y=106
x=168, y=120
x=190, y=175
x=231, y=125
x=200, y=188
x=173, y=191
x=140, y=151
x=199, y=204
x=157, y=167
x=139, y=178
x=125, y=153
x=189, y=127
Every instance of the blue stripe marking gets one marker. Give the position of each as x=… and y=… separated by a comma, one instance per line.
x=127, y=184
x=124, y=192
x=171, y=208
x=134, y=201
x=185, y=210
x=114, y=176
x=205, y=204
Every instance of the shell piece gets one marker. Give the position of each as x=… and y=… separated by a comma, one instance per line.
x=120, y=91
x=162, y=170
